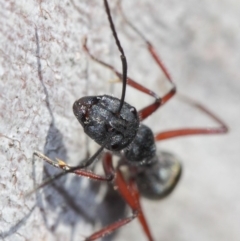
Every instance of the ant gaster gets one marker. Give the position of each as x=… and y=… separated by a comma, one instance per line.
x=115, y=125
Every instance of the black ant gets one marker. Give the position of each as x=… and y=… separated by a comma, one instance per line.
x=115, y=126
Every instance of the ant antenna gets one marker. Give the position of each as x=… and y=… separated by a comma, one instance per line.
x=123, y=57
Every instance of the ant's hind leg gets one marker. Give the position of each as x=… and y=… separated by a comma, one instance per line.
x=130, y=194
x=222, y=128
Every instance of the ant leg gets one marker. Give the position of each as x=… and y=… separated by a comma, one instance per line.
x=68, y=169
x=130, y=81
x=80, y=172
x=151, y=48
x=179, y=132
x=141, y=216
x=150, y=109
x=194, y=131
x=131, y=196
x=145, y=112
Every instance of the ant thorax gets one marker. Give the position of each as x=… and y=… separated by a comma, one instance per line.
x=101, y=121
x=142, y=150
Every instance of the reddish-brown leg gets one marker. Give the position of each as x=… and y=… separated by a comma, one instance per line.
x=149, y=45
x=62, y=165
x=194, y=131
x=141, y=216
x=130, y=194
x=148, y=110
x=80, y=172
x=130, y=81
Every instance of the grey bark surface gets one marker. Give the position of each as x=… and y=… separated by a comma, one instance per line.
x=43, y=70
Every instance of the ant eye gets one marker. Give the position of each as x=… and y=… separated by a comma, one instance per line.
x=115, y=146
x=83, y=118
x=133, y=110
x=95, y=100
x=109, y=128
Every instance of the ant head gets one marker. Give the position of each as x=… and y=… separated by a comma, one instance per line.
x=101, y=121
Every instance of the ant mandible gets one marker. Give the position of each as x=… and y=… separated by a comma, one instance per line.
x=115, y=125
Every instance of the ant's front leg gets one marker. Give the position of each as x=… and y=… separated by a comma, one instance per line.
x=64, y=166
x=150, y=47
x=71, y=169
x=148, y=110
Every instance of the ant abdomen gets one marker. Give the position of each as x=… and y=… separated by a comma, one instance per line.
x=159, y=179
x=101, y=121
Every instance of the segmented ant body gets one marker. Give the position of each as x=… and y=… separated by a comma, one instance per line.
x=136, y=143
x=115, y=125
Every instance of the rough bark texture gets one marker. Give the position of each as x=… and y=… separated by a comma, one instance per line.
x=43, y=70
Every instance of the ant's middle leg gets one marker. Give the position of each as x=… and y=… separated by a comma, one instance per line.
x=222, y=128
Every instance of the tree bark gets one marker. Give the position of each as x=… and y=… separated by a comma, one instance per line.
x=44, y=69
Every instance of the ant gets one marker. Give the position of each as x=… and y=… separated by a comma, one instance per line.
x=115, y=126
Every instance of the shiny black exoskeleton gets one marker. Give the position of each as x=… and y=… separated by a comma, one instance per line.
x=101, y=121
x=156, y=175
x=159, y=179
